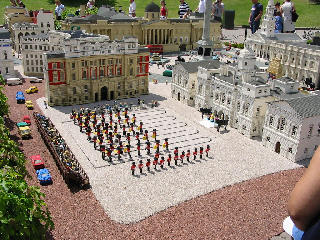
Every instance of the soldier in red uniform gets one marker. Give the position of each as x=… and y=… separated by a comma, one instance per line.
x=128, y=138
x=195, y=153
x=124, y=132
x=176, y=159
x=137, y=135
x=138, y=148
x=132, y=129
x=109, y=151
x=103, y=149
x=119, y=152
x=141, y=127
x=133, y=119
x=128, y=150
x=201, y=152
x=155, y=162
x=162, y=162
x=188, y=155
x=94, y=138
x=182, y=156
x=148, y=163
x=140, y=166
x=157, y=155
x=169, y=159
x=166, y=143
x=133, y=167
x=148, y=147
x=207, y=150
x=158, y=145
x=176, y=151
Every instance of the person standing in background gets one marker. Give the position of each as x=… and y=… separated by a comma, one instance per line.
x=286, y=10
x=132, y=8
x=59, y=10
x=255, y=15
x=218, y=10
x=184, y=9
x=163, y=10
x=201, y=7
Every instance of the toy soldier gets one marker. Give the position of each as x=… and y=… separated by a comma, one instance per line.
x=182, y=156
x=148, y=147
x=109, y=152
x=139, y=101
x=128, y=150
x=132, y=129
x=145, y=136
x=155, y=162
x=119, y=152
x=138, y=148
x=140, y=166
x=188, y=155
x=127, y=120
x=94, y=138
x=162, y=162
x=88, y=133
x=154, y=134
x=157, y=155
x=140, y=127
x=169, y=159
x=176, y=160
x=137, y=135
x=119, y=118
x=80, y=127
x=134, y=119
x=195, y=153
x=201, y=152
x=207, y=150
x=166, y=144
x=158, y=145
x=133, y=167
x=148, y=163
x=124, y=132
x=106, y=128
x=176, y=151
x=128, y=138
x=111, y=146
x=103, y=149
x=126, y=112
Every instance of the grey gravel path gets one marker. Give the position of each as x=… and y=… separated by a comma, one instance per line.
x=128, y=199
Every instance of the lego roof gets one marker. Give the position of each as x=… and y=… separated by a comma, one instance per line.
x=4, y=34
x=106, y=12
x=192, y=67
x=306, y=106
x=152, y=7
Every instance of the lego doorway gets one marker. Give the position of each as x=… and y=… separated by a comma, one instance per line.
x=183, y=47
x=178, y=96
x=104, y=93
x=277, y=149
x=111, y=95
x=96, y=97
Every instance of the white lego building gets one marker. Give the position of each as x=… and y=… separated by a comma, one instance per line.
x=6, y=58
x=299, y=60
x=43, y=22
x=292, y=127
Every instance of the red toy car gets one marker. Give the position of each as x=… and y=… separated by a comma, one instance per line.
x=37, y=162
x=26, y=119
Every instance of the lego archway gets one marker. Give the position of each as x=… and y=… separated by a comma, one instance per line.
x=104, y=93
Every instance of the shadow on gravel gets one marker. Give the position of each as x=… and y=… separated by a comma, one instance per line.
x=9, y=123
x=49, y=236
x=76, y=188
x=134, y=101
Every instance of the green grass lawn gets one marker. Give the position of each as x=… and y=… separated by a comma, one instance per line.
x=308, y=13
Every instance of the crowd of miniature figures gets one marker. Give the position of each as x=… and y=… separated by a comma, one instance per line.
x=111, y=135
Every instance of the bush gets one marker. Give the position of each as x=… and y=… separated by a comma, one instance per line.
x=23, y=213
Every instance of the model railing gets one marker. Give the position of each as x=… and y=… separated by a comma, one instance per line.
x=65, y=159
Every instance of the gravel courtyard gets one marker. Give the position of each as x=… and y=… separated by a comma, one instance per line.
x=127, y=199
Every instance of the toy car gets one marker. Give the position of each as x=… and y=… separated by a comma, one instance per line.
x=20, y=97
x=29, y=104
x=22, y=124
x=26, y=119
x=167, y=73
x=37, y=162
x=44, y=176
x=25, y=132
x=32, y=89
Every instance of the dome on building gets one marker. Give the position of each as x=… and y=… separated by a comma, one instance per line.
x=152, y=7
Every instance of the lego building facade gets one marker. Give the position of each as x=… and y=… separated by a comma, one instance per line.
x=93, y=68
x=172, y=34
x=300, y=60
x=6, y=58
